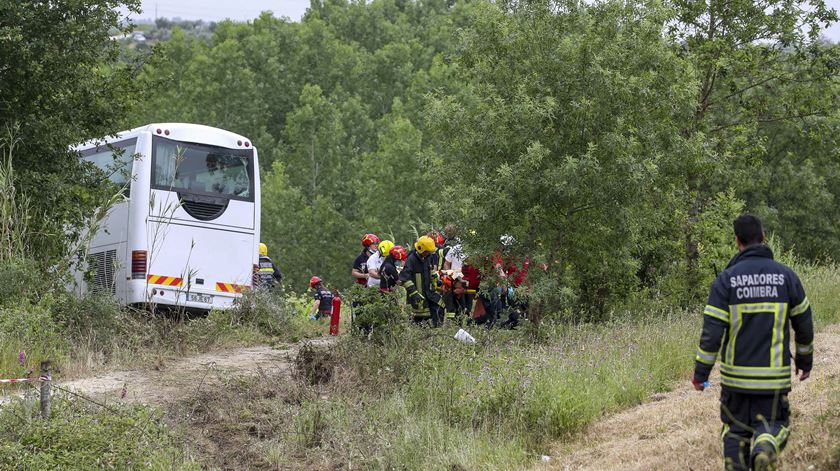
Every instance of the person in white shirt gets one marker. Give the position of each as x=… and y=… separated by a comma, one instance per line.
x=375, y=261
x=454, y=258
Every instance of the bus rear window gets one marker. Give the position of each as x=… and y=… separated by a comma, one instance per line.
x=202, y=169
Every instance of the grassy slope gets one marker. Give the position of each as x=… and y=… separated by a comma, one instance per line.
x=424, y=401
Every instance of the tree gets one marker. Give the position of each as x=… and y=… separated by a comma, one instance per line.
x=760, y=65
x=565, y=138
x=63, y=83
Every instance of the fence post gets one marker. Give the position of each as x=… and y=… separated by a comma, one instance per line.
x=46, y=378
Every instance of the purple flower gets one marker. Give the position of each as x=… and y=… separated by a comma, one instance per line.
x=22, y=358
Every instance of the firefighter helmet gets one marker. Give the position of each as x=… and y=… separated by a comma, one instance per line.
x=425, y=244
x=385, y=247
x=370, y=239
x=263, y=249
x=398, y=253
x=314, y=281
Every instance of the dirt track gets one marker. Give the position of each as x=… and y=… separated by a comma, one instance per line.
x=680, y=429
x=181, y=377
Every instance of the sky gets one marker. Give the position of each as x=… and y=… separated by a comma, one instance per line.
x=216, y=10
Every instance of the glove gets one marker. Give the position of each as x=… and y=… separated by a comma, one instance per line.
x=415, y=298
x=700, y=385
x=804, y=362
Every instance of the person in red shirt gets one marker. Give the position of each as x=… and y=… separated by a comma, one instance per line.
x=513, y=280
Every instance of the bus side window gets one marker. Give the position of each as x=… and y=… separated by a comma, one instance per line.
x=116, y=162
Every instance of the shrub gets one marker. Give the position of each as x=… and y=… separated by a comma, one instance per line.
x=29, y=328
x=83, y=434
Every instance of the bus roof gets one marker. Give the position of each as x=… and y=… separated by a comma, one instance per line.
x=186, y=132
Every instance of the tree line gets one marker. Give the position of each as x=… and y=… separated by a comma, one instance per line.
x=615, y=141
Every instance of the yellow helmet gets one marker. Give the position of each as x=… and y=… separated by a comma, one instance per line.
x=385, y=247
x=425, y=244
x=263, y=249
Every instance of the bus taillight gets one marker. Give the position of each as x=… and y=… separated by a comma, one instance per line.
x=138, y=264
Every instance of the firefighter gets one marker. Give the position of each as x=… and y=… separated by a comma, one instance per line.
x=322, y=307
x=416, y=277
x=359, y=269
x=438, y=258
x=752, y=305
x=268, y=275
x=388, y=273
x=458, y=300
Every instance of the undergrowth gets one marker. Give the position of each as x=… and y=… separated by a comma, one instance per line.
x=81, y=335
x=81, y=435
x=418, y=399
x=413, y=398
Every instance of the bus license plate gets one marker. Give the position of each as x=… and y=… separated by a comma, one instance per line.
x=199, y=298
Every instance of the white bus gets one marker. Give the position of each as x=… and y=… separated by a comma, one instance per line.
x=187, y=230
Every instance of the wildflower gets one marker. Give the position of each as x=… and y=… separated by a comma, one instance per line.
x=22, y=357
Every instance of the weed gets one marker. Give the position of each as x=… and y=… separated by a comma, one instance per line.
x=82, y=434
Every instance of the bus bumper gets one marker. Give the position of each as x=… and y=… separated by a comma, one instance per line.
x=176, y=297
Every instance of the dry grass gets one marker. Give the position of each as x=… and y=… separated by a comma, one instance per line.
x=680, y=429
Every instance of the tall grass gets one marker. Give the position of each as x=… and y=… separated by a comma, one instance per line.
x=14, y=207
x=81, y=435
x=519, y=396
x=821, y=283
x=418, y=399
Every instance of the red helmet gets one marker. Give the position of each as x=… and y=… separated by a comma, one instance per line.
x=398, y=253
x=314, y=281
x=370, y=239
x=438, y=238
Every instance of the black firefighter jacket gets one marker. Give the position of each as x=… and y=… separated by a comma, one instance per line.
x=416, y=277
x=752, y=305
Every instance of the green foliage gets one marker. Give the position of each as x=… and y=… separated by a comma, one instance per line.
x=63, y=83
x=605, y=150
x=564, y=145
x=276, y=315
x=378, y=315
x=87, y=436
x=28, y=327
x=336, y=99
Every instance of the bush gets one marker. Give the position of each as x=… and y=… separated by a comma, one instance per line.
x=20, y=280
x=275, y=314
x=83, y=434
x=376, y=313
x=29, y=328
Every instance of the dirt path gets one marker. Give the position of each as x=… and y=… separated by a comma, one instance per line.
x=680, y=429
x=180, y=377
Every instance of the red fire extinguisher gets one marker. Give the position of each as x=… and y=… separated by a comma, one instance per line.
x=336, y=315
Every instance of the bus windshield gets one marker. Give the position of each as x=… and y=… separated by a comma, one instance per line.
x=202, y=169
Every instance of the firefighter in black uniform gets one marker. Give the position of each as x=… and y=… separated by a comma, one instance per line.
x=416, y=277
x=268, y=275
x=322, y=306
x=388, y=273
x=752, y=305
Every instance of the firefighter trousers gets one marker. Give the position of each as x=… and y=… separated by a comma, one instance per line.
x=752, y=423
x=435, y=310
